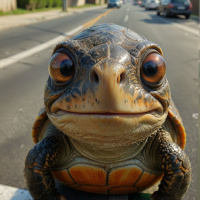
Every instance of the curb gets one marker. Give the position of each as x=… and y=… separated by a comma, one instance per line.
x=11, y=21
x=195, y=17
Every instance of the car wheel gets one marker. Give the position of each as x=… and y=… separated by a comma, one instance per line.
x=187, y=16
x=166, y=13
x=158, y=12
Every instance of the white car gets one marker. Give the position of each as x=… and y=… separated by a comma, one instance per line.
x=151, y=4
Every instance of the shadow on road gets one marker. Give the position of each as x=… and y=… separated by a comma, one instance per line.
x=154, y=19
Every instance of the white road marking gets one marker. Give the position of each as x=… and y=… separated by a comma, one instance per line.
x=12, y=193
x=126, y=18
x=16, y=58
x=195, y=115
x=185, y=28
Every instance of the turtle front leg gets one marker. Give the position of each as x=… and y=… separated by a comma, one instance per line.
x=37, y=172
x=177, y=172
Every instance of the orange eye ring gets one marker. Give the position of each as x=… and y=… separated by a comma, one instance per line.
x=61, y=67
x=153, y=68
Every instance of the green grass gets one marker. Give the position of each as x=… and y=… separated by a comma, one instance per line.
x=20, y=11
x=85, y=6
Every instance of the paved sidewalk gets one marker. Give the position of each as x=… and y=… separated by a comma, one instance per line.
x=12, y=193
x=10, y=21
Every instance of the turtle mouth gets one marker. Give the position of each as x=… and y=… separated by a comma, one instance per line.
x=62, y=112
x=108, y=127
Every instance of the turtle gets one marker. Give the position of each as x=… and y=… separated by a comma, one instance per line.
x=109, y=124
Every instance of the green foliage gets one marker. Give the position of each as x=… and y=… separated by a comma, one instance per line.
x=57, y=3
x=50, y=3
x=37, y=4
x=41, y=3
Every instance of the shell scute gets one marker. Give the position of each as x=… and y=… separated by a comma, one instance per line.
x=147, y=179
x=88, y=175
x=63, y=176
x=124, y=176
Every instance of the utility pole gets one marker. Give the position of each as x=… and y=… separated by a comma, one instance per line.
x=64, y=5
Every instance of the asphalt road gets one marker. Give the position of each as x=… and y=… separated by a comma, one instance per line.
x=22, y=83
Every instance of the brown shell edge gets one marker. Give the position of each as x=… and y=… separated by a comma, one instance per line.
x=176, y=120
x=37, y=126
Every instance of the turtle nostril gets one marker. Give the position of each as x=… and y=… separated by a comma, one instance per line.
x=121, y=78
x=94, y=77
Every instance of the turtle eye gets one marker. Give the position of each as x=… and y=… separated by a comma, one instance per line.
x=153, y=68
x=61, y=67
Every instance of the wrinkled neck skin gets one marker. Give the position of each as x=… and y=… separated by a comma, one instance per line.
x=110, y=154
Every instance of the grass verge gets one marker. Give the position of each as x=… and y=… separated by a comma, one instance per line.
x=85, y=6
x=20, y=11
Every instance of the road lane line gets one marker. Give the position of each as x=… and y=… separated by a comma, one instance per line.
x=93, y=21
x=16, y=58
x=126, y=18
x=12, y=193
x=188, y=29
x=183, y=27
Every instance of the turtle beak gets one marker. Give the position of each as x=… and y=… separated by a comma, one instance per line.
x=115, y=93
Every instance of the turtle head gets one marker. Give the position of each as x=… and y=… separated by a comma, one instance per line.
x=107, y=86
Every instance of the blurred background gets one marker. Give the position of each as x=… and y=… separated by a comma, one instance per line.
x=29, y=30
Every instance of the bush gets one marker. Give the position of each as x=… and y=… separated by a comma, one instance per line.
x=41, y=3
x=57, y=3
x=50, y=3
x=34, y=4
x=26, y=4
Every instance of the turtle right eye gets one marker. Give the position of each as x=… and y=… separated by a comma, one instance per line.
x=153, y=68
x=61, y=68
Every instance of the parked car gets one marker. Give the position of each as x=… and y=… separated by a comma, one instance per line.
x=151, y=4
x=143, y=3
x=175, y=7
x=114, y=3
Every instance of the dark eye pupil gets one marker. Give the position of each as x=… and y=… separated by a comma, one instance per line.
x=150, y=69
x=66, y=68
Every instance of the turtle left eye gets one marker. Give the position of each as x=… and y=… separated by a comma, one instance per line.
x=153, y=68
x=61, y=67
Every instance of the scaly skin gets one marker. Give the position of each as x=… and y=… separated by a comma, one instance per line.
x=38, y=164
x=177, y=170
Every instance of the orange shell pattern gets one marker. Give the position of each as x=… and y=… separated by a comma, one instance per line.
x=175, y=118
x=94, y=179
